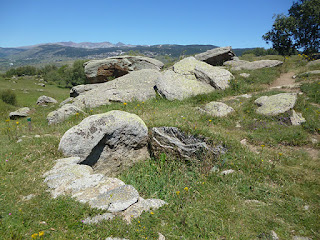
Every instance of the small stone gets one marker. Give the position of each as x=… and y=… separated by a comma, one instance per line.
x=161, y=237
x=29, y=197
x=21, y=112
x=274, y=236
x=42, y=100
x=214, y=169
x=296, y=118
x=243, y=141
x=314, y=140
x=238, y=125
x=37, y=136
x=218, y=109
x=226, y=172
x=19, y=140
x=245, y=75
x=306, y=207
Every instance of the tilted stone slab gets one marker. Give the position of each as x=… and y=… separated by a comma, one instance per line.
x=276, y=104
x=108, y=142
x=216, y=56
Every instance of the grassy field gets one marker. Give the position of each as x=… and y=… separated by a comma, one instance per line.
x=275, y=186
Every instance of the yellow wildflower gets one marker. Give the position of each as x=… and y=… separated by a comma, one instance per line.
x=210, y=120
x=41, y=233
x=125, y=103
x=262, y=146
x=8, y=120
x=17, y=123
x=178, y=192
x=280, y=154
x=151, y=213
x=186, y=189
x=34, y=235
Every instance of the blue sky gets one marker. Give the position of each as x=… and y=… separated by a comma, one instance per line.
x=236, y=23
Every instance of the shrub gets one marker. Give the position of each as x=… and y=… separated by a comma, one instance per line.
x=9, y=97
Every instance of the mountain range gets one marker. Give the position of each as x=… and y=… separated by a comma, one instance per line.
x=62, y=52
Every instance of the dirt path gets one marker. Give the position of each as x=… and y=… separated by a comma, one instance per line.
x=285, y=79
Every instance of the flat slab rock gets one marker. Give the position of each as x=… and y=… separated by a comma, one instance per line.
x=245, y=65
x=69, y=177
x=276, y=104
x=21, y=112
x=217, y=109
x=108, y=142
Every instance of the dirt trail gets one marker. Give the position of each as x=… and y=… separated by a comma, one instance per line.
x=284, y=80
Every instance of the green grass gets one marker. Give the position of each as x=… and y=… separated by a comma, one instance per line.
x=281, y=175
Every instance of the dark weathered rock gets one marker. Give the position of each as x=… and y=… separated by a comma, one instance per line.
x=172, y=141
x=98, y=71
x=216, y=56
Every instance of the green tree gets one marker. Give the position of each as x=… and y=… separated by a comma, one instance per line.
x=299, y=30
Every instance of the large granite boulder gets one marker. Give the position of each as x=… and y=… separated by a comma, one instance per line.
x=171, y=86
x=21, y=112
x=172, y=141
x=63, y=113
x=190, y=77
x=108, y=142
x=137, y=85
x=216, y=56
x=98, y=71
x=43, y=100
x=217, y=109
x=276, y=104
x=245, y=65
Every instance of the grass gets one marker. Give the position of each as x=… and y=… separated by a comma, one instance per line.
x=275, y=176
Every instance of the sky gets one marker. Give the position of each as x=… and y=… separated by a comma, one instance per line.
x=236, y=23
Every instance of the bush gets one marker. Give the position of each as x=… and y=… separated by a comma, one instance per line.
x=8, y=97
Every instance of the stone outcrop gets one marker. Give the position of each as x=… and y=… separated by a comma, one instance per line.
x=69, y=177
x=172, y=141
x=245, y=65
x=98, y=71
x=217, y=109
x=21, y=112
x=309, y=73
x=63, y=113
x=137, y=85
x=190, y=77
x=313, y=63
x=276, y=104
x=108, y=142
x=216, y=56
x=43, y=100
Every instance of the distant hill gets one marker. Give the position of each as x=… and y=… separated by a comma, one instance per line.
x=68, y=51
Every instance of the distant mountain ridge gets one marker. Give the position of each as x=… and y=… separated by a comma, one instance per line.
x=88, y=45
x=60, y=53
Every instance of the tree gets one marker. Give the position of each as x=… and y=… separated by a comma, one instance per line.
x=299, y=30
